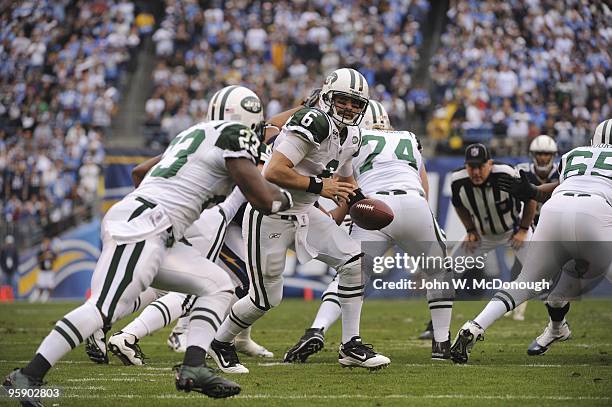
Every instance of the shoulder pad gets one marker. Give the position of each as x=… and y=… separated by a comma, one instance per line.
x=238, y=137
x=309, y=123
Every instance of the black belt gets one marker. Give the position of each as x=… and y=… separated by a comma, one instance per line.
x=580, y=195
x=392, y=192
x=288, y=217
x=575, y=194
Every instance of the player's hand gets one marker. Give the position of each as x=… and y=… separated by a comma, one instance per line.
x=519, y=188
x=518, y=239
x=471, y=241
x=312, y=99
x=336, y=190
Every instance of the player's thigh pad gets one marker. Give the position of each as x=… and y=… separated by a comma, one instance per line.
x=267, y=240
x=185, y=270
x=334, y=245
x=123, y=272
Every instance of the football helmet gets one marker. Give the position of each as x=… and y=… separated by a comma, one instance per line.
x=238, y=104
x=350, y=84
x=603, y=133
x=375, y=117
x=543, y=144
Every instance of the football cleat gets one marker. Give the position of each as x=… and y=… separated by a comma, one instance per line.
x=224, y=354
x=354, y=353
x=95, y=347
x=204, y=380
x=467, y=336
x=177, y=341
x=428, y=332
x=125, y=347
x=440, y=350
x=550, y=335
x=17, y=380
x=310, y=343
x=247, y=346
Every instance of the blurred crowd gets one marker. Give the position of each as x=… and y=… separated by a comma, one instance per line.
x=61, y=65
x=282, y=50
x=510, y=70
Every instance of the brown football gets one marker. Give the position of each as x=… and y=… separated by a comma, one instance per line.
x=371, y=214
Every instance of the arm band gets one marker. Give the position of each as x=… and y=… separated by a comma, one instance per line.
x=315, y=186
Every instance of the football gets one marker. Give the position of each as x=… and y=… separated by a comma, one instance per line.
x=371, y=214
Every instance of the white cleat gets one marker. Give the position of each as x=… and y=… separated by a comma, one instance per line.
x=354, y=353
x=125, y=347
x=467, y=336
x=224, y=354
x=251, y=348
x=550, y=335
x=177, y=341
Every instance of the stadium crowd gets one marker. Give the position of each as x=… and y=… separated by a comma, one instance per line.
x=61, y=64
x=508, y=71
x=281, y=50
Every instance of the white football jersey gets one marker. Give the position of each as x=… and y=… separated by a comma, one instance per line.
x=388, y=160
x=192, y=175
x=587, y=170
x=330, y=154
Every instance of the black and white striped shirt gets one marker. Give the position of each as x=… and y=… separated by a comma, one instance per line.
x=493, y=210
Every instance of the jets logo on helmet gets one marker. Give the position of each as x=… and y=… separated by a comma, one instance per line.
x=603, y=133
x=344, y=96
x=237, y=104
x=375, y=117
x=546, y=145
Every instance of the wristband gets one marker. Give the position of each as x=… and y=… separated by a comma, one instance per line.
x=524, y=227
x=315, y=186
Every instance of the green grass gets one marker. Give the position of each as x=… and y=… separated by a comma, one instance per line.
x=499, y=372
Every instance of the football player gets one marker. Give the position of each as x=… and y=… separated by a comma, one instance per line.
x=313, y=145
x=389, y=167
x=202, y=162
x=575, y=224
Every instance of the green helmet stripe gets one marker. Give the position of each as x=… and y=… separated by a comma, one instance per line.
x=224, y=101
x=373, y=108
x=360, y=81
x=212, y=103
x=606, y=135
x=380, y=109
x=352, y=78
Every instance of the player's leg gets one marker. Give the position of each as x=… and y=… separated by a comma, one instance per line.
x=178, y=336
x=188, y=272
x=336, y=248
x=95, y=344
x=267, y=240
x=231, y=259
x=544, y=259
x=157, y=315
x=121, y=273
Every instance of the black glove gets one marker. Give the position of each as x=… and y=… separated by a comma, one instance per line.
x=519, y=188
x=356, y=198
x=311, y=101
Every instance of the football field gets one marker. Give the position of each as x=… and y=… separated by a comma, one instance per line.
x=499, y=372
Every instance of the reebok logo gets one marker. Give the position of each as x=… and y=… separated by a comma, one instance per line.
x=274, y=236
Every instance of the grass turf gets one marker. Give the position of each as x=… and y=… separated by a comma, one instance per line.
x=499, y=372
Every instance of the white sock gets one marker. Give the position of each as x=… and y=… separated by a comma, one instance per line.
x=156, y=315
x=182, y=325
x=244, y=335
x=205, y=318
x=328, y=314
x=441, y=320
x=241, y=316
x=494, y=310
x=350, y=294
x=70, y=331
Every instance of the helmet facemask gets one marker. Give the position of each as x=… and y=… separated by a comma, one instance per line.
x=344, y=108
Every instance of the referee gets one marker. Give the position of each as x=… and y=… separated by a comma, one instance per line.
x=490, y=216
